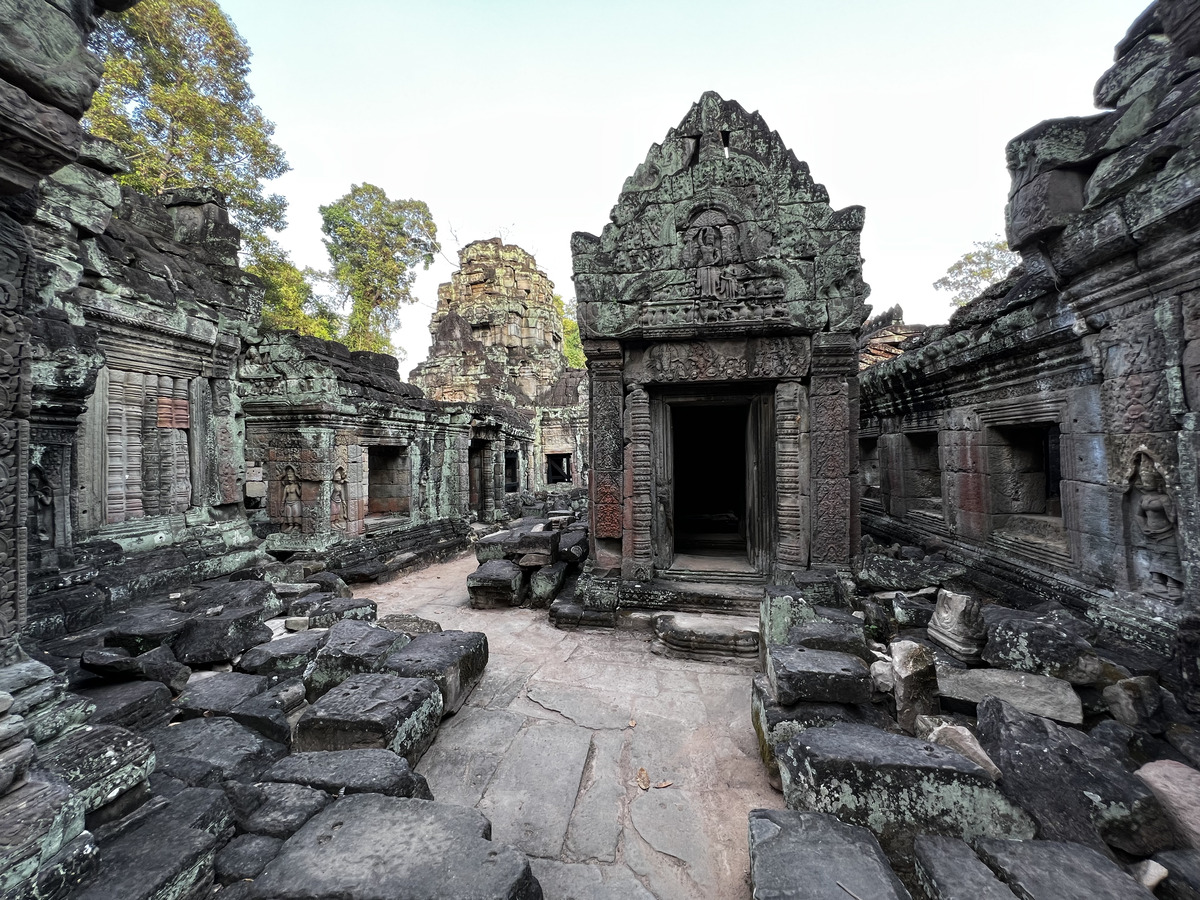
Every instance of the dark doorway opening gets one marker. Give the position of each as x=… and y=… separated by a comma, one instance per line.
x=710, y=477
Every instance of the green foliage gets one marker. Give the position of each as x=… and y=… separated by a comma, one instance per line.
x=175, y=100
x=572, y=344
x=290, y=303
x=375, y=245
x=982, y=267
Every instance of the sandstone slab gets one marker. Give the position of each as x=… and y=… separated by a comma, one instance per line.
x=1039, y=695
x=1054, y=869
x=822, y=676
x=372, y=771
x=455, y=660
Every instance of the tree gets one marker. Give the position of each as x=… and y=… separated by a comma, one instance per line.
x=174, y=98
x=572, y=345
x=977, y=270
x=290, y=302
x=375, y=245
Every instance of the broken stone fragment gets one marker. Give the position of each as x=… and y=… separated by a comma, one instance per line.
x=274, y=712
x=331, y=583
x=897, y=786
x=798, y=855
x=817, y=675
x=1183, y=874
x=221, y=637
x=370, y=771
x=960, y=739
x=1040, y=695
x=1177, y=788
x=545, y=584
x=219, y=694
x=1047, y=868
x=158, y=664
x=284, y=657
x=244, y=858
x=276, y=809
x=915, y=683
x=208, y=751
x=374, y=710
x=1135, y=702
x=350, y=648
x=958, y=625
x=1073, y=785
x=498, y=582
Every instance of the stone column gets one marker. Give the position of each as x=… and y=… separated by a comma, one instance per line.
x=606, y=488
x=639, y=545
x=487, y=487
x=498, y=477
x=834, y=390
x=792, y=475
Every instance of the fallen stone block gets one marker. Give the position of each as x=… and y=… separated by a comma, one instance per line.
x=260, y=596
x=220, y=637
x=371, y=771
x=350, y=648
x=1177, y=788
x=61, y=874
x=330, y=583
x=958, y=625
x=48, y=721
x=812, y=856
x=283, y=658
x=1057, y=869
x=817, y=675
x=782, y=607
x=961, y=740
x=881, y=573
x=201, y=808
x=274, y=712
x=205, y=752
x=151, y=862
x=568, y=614
x=404, y=623
x=573, y=546
x=218, y=694
x=1072, y=785
x=1136, y=702
x=914, y=683
x=374, y=710
x=1043, y=647
x=99, y=762
x=337, y=854
x=455, y=660
x=244, y=858
x=897, y=786
x=144, y=630
x=1039, y=695
x=496, y=583
x=911, y=610
x=276, y=809
x=545, y=584
x=38, y=820
x=138, y=705
x=492, y=546
x=948, y=869
x=843, y=634
x=158, y=664
x=1183, y=874
x=322, y=611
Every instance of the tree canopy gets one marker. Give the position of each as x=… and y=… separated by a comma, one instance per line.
x=572, y=344
x=375, y=245
x=977, y=270
x=174, y=98
x=290, y=302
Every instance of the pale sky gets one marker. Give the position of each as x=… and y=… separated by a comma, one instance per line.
x=522, y=119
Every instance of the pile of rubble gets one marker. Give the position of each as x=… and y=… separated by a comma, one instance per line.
x=255, y=734
x=930, y=740
x=530, y=563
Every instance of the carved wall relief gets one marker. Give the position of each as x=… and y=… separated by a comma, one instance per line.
x=339, y=500
x=1152, y=520
x=1191, y=375
x=293, y=505
x=41, y=506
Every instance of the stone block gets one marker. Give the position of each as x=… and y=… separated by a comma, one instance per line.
x=220, y=637
x=218, y=694
x=881, y=573
x=492, y=546
x=455, y=660
x=283, y=658
x=273, y=712
x=1048, y=868
x=39, y=819
x=897, y=786
x=1041, y=646
x=337, y=854
x=1183, y=875
x=374, y=710
x=331, y=583
x=205, y=752
x=545, y=584
x=244, y=858
x=914, y=683
x=139, y=705
x=782, y=607
x=1039, y=695
x=1073, y=786
x=822, y=676
x=948, y=869
x=496, y=583
x=812, y=856
x=275, y=809
x=702, y=636
x=350, y=648
x=1177, y=788
x=99, y=762
x=1043, y=206
x=159, y=859
x=144, y=630
x=843, y=636
x=338, y=772
x=325, y=612
x=158, y=664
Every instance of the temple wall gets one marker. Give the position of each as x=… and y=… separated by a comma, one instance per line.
x=1047, y=436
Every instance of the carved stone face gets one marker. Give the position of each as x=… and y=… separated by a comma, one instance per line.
x=1146, y=478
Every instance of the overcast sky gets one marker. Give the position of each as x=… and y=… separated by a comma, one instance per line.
x=523, y=118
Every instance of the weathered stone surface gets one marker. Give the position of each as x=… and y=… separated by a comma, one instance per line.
x=158, y=664
x=204, y=752
x=812, y=856
x=350, y=648
x=140, y=705
x=948, y=869
x=331, y=583
x=1039, y=695
x=1177, y=788
x=100, y=762
x=244, y=858
x=1048, y=868
x=1136, y=702
x=322, y=611
x=822, y=676
x=352, y=772
x=144, y=630
x=702, y=636
x=374, y=710
x=914, y=683
x=273, y=712
x=338, y=853
x=1071, y=784
x=455, y=660
x=545, y=584
x=39, y=819
x=276, y=809
x=1183, y=874
x=958, y=625
x=404, y=623
x=284, y=657
x=157, y=860
x=220, y=637
x=843, y=636
x=911, y=610
x=895, y=785
x=1044, y=648
x=218, y=694
x=257, y=595
x=881, y=573
x=47, y=721
x=961, y=740
x=62, y=874
x=497, y=582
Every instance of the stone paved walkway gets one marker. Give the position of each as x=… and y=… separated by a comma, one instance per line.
x=549, y=744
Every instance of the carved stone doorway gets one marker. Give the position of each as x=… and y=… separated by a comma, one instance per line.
x=714, y=483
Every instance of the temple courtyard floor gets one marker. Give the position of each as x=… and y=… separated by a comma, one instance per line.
x=549, y=745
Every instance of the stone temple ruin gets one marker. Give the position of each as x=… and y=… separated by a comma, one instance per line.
x=963, y=562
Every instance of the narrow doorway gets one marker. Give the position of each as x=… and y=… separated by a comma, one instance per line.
x=709, y=481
